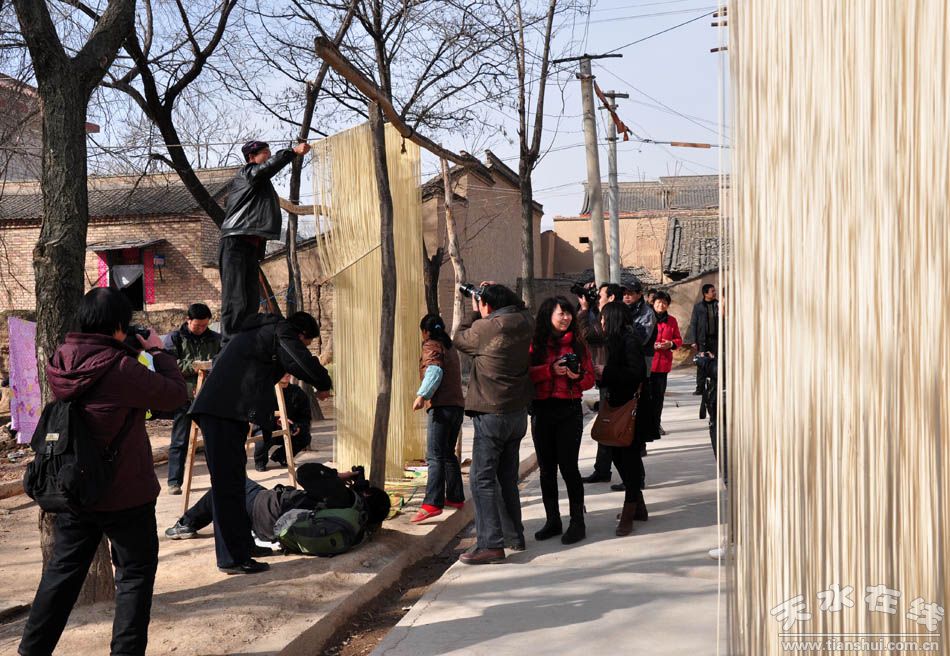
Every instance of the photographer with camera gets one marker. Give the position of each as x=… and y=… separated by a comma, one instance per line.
x=592, y=329
x=239, y=391
x=322, y=489
x=497, y=335
x=99, y=373
x=561, y=369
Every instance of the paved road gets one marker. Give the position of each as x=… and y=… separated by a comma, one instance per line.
x=652, y=593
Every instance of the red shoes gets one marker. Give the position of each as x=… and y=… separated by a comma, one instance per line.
x=428, y=512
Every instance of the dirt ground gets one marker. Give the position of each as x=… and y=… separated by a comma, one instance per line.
x=196, y=609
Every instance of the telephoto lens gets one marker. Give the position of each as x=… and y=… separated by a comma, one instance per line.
x=468, y=290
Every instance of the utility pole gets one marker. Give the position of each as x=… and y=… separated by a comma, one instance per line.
x=615, y=264
x=595, y=195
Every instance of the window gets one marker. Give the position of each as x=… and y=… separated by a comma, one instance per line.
x=584, y=240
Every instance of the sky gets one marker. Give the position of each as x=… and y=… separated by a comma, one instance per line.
x=674, y=84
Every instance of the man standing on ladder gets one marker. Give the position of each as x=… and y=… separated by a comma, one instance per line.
x=252, y=218
x=240, y=391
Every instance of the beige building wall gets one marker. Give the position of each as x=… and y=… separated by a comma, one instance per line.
x=641, y=244
x=488, y=222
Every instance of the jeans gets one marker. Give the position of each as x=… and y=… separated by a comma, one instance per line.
x=202, y=513
x=227, y=462
x=240, y=290
x=178, y=449
x=630, y=467
x=134, y=540
x=658, y=384
x=495, y=461
x=556, y=430
x=445, y=474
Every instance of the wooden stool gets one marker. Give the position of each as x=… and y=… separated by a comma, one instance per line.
x=203, y=368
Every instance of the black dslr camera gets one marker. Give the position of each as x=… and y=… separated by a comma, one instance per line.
x=470, y=291
x=130, y=336
x=358, y=482
x=572, y=362
x=592, y=294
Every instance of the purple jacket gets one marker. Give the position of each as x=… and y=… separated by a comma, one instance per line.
x=113, y=387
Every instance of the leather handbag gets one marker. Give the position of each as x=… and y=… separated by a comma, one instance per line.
x=614, y=426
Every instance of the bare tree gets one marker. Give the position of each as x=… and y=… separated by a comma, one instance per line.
x=290, y=55
x=170, y=57
x=529, y=129
x=422, y=57
x=65, y=84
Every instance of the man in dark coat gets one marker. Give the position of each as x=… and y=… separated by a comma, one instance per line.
x=193, y=342
x=704, y=325
x=239, y=391
x=94, y=369
x=298, y=416
x=252, y=218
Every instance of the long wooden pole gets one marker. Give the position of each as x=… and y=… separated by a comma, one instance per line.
x=331, y=55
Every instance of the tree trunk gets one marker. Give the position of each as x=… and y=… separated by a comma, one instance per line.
x=431, y=267
x=64, y=85
x=294, y=301
x=387, y=319
x=527, y=234
x=59, y=259
x=455, y=253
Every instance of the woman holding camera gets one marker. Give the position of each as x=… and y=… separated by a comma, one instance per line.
x=441, y=394
x=622, y=377
x=561, y=370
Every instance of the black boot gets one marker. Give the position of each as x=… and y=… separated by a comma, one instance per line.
x=552, y=511
x=576, y=531
x=551, y=528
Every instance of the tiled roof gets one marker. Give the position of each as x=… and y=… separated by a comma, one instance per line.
x=125, y=200
x=687, y=192
x=692, y=246
x=627, y=276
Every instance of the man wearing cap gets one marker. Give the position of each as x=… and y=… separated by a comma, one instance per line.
x=252, y=218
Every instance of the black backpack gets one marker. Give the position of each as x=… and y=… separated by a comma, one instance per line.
x=70, y=471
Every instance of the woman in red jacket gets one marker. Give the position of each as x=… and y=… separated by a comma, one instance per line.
x=561, y=370
x=667, y=340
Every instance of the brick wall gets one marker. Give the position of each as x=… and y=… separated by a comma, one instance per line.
x=185, y=279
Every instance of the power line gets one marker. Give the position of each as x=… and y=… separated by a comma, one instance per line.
x=669, y=29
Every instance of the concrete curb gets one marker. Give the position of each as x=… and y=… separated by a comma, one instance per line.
x=13, y=488
x=313, y=640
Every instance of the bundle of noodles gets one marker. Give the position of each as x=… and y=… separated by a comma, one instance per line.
x=837, y=322
x=348, y=250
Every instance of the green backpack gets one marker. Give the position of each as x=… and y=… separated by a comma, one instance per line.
x=322, y=531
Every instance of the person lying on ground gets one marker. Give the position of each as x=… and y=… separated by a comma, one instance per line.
x=275, y=515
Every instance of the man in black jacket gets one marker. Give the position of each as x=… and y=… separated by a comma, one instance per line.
x=252, y=218
x=704, y=325
x=239, y=391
